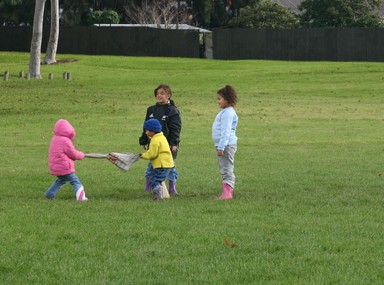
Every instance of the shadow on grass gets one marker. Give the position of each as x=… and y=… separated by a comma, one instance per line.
x=129, y=194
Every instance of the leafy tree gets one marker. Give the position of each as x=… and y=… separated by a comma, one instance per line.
x=16, y=12
x=340, y=13
x=221, y=13
x=215, y=13
x=202, y=10
x=95, y=17
x=104, y=17
x=75, y=13
x=265, y=14
x=110, y=17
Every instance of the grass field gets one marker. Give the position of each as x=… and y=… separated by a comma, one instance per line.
x=308, y=205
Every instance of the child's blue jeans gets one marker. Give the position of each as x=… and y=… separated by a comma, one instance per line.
x=60, y=182
x=157, y=176
x=172, y=175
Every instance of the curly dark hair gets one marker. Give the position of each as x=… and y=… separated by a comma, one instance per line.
x=229, y=94
x=167, y=89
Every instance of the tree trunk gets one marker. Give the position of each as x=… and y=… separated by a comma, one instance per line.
x=37, y=35
x=50, y=56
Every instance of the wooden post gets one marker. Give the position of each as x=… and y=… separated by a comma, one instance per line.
x=28, y=76
x=69, y=75
x=64, y=75
x=21, y=74
x=6, y=75
x=50, y=76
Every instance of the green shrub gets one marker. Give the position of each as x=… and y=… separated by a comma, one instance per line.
x=104, y=17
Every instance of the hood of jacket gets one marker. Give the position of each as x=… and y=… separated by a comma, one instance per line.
x=64, y=128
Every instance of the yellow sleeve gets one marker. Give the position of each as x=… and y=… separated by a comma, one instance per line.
x=152, y=152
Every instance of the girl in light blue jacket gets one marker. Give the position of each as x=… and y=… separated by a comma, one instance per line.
x=225, y=139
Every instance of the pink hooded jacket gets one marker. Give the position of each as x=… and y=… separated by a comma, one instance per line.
x=62, y=153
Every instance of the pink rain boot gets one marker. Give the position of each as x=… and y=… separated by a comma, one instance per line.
x=80, y=195
x=226, y=193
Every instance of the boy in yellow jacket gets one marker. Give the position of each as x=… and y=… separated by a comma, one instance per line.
x=159, y=154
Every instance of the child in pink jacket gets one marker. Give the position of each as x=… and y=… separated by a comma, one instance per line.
x=61, y=158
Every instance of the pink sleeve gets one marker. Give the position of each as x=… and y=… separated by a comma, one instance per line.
x=72, y=152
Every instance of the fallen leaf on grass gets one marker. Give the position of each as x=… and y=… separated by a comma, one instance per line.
x=228, y=243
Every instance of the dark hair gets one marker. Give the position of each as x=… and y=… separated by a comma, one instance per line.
x=167, y=89
x=229, y=95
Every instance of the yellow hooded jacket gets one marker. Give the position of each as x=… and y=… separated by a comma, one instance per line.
x=159, y=152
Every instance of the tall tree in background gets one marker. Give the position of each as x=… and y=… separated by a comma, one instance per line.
x=202, y=10
x=218, y=13
x=340, y=13
x=37, y=36
x=204, y=13
x=50, y=55
x=265, y=14
x=16, y=12
x=159, y=12
x=76, y=13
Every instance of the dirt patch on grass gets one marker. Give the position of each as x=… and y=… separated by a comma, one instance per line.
x=68, y=60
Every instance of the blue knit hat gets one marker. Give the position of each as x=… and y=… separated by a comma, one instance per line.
x=153, y=125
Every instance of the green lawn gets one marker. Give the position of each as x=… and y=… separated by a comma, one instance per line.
x=308, y=205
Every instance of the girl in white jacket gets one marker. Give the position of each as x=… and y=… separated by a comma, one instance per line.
x=225, y=139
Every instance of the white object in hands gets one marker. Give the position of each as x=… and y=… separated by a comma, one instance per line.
x=123, y=161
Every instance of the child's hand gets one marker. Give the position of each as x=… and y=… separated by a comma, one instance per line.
x=220, y=152
x=174, y=148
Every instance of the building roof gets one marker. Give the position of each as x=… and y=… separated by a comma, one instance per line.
x=160, y=26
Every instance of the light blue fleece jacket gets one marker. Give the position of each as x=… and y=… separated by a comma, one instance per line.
x=224, y=128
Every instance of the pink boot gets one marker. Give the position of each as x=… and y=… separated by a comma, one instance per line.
x=80, y=195
x=226, y=193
